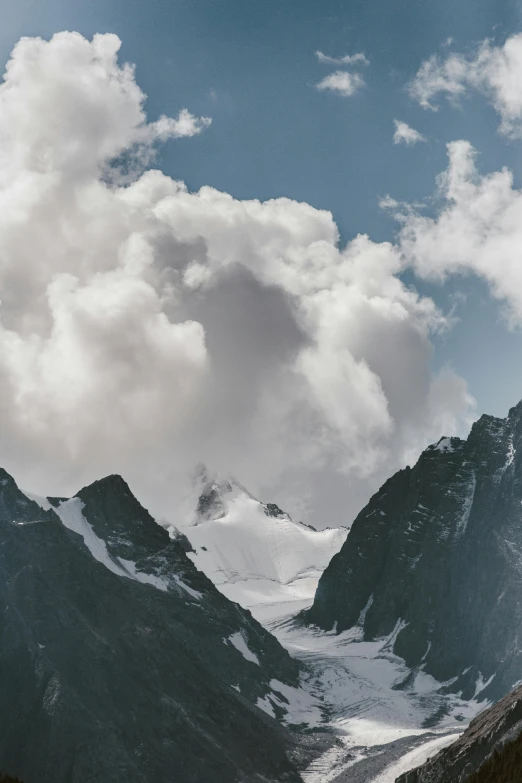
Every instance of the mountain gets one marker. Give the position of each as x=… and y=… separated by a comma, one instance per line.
x=434, y=561
x=120, y=661
x=489, y=751
x=254, y=553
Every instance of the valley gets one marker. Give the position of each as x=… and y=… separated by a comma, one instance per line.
x=385, y=716
x=307, y=654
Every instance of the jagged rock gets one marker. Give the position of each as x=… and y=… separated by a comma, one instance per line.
x=435, y=562
x=475, y=755
x=119, y=661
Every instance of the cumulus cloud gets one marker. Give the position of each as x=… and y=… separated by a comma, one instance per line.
x=478, y=230
x=404, y=134
x=348, y=59
x=342, y=82
x=67, y=106
x=495, y=71
x=145, y=328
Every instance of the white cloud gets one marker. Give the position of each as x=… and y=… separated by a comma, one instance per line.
x=348, y=59
x=89, y=109
x=342, y=82
x=478, y=229
x=495, y=71
x=145, y=328
x=404, y=134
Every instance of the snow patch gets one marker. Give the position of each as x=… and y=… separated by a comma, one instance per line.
x=299, y=704
x=189, y=590
x=364, y=611
x=510, y=455
x=131, y=571
x=444, y=444
x=266, y=705
x=415, y=758
x=237, y=640
x=389, y=642
x=42, y=502
x=70, y=513
x=466, y=509
x=482, y=684
x=51, y=695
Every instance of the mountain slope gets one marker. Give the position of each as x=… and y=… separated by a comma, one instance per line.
x=435, y=560
x=489, y=751
x=253, y=552
x=119, y=661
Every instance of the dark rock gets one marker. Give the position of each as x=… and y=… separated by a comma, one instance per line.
x=435, y=562
x=272, y=510
x=488, y=751
x=106, y=678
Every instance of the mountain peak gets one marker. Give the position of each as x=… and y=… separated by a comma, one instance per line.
x=515, y=411
x=210, y=497
x=15, y=505
x=253, y=551
x=116, y=514
x=446, y=444
x=5, y=477
x=435, y=554
x=152, y=644
x=112, y=483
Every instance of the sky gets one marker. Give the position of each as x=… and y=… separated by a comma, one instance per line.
x=337, y=283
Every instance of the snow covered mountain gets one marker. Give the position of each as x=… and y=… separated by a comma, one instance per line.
x=254, y=553
x=119, y=661
x=435, y=560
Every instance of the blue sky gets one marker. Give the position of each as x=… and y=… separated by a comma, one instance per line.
x=252, y=68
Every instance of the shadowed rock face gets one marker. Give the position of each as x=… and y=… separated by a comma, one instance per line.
x=435, y=559
x=489, y=749
x=105, y=677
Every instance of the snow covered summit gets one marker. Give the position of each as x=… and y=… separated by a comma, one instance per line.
x=253, y=552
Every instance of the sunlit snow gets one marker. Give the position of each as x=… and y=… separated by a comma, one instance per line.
x=254, y=558
x=415, y=758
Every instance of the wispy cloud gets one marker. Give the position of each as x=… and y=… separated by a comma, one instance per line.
x=342, y=82
x=348, y=59
x=494, y=71
x=404, y=134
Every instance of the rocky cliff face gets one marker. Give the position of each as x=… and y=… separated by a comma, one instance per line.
x=435, y=562
x=119, y=661
x=491, y=742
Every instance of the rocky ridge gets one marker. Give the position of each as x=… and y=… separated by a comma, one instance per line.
x=475, y=755
x=123, y=661
x=435, y=562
